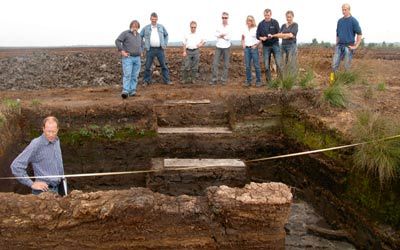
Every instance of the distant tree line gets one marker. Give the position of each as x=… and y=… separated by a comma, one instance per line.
x=322, y=44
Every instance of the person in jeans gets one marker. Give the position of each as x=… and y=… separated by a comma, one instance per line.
x=250, y=46
x=265, y=31
x=44, y=153
x=191, y=44
x=130, y=45
x=347, y=28
x=288, y=35
x=223, y=45
x=155, y=41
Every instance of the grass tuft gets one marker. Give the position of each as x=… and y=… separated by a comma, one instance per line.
x=381, y=86
x=379, y=158
x=307, y=80
x=345, y=77
x=335, y=95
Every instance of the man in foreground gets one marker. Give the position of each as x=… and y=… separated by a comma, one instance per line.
x=44, y=153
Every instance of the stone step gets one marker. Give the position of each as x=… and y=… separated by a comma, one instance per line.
x=194, y=130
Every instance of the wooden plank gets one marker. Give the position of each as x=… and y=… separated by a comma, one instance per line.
x=177, y=163
x=194, y=130
x=202, y=101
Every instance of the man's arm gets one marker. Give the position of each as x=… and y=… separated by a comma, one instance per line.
x=119, y=41
x=358, y=42
x=19, y=165
x=259, y=34
x=165, y=37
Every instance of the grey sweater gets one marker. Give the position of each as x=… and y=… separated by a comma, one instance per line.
x=127, y=41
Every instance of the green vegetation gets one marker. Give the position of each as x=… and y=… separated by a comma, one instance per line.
x=380, y=158
x=345, y=77
x=307, y=79
x=335, y=95
x=381, y=86
x=368, y=92
x=36, y=103
x=3, y=120
x=12, y=106
x=95, y=132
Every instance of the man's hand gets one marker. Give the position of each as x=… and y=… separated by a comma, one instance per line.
x=263, y=38
x=124, y=53
x=353, y=47
x=184, y=53
x=40, y=185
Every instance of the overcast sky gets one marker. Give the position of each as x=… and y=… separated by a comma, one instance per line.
x=99, y=22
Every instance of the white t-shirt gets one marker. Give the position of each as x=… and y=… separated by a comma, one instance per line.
x=154, y=37
x=191, y=40
x=250, y=36
x=225, y=42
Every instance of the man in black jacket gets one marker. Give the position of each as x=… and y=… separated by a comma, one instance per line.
x=265, y=29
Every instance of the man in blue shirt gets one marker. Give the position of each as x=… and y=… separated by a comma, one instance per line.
x=44, y=153
x=347, y=29
x=155, y=41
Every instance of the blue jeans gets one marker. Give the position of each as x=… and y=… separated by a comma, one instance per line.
x=276, y=51
x=289, y=56
x=131, y=68
x=150, y=55
x=252, y=55
x=51, y=189
x=342, y=52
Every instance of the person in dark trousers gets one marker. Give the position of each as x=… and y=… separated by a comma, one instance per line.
x=130, y=45
x=265, y=31
x=155, y=41
x=44, y=153
x=347, y=28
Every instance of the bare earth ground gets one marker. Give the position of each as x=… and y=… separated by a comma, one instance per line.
x=372, y=66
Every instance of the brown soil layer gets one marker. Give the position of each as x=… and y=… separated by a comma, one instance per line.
x=226, y=218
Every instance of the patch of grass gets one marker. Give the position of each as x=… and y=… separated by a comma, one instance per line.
x=3, y=120
x=36, y=103
x=381, y=86
x=335, y=95
x=85, y=132
x=12, y=105
x=345, y=77
x=306, y=80
x=285, y=82
x=368, y=93
x=380, y=158
x=108, y=131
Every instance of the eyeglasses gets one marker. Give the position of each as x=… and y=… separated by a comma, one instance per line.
x=224, y=17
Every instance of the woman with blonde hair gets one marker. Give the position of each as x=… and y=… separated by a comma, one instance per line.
x=250, y=46
x=288, y=35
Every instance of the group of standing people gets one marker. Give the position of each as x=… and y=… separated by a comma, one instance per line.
x=153, y=39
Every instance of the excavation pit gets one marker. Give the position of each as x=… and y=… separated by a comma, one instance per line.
x=132, y=141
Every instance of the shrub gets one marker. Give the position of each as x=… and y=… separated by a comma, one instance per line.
x=13, y=106
x=378, y=157
x=108, y=131
x=335, y=95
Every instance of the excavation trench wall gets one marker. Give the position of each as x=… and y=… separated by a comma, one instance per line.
x=101, y=139
x=226, y=218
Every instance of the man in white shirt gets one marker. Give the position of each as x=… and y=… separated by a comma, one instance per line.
x=191, y=44
x=223, y=45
